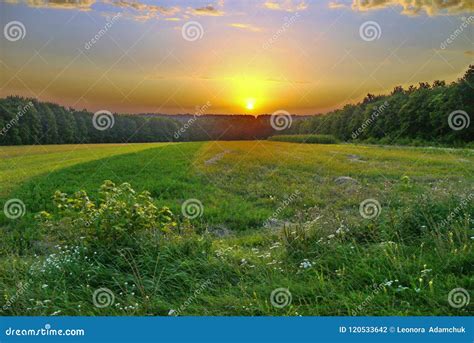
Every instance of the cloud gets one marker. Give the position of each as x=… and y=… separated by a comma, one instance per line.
x=286, y=5
x=82, y=5
x=416, y=7
x=208, y=10
x=145, y=8
x=248, y=27
x=336, y=5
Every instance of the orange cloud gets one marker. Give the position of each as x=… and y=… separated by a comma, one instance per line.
x=208, y=10
x=286, y=5
x=82, y=5
x=416, y=7
x=248, y=27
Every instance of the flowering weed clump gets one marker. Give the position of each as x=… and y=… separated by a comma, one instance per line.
x=119, y=218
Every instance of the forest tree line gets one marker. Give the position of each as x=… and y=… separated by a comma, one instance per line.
x=419, y=114
x=25, y=121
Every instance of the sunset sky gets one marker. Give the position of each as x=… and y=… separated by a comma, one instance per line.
x=249, y=57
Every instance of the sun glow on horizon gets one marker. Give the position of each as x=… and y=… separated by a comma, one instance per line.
x=250, y=104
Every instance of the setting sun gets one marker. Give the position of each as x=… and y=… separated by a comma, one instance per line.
x=250, y=104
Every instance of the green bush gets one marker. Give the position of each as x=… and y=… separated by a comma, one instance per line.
x=309, y=139
x=115, y=221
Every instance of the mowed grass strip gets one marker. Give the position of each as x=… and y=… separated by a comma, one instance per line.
x=20, y=163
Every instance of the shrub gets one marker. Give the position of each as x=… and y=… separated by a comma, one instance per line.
x=115, y=221
x=309, y=139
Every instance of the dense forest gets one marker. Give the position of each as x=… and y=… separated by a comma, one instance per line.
x=26, y=121
x=417, y=115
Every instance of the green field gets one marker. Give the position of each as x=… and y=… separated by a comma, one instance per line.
x=274, y=215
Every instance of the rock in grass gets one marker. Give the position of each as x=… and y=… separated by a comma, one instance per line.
x=343, y=180
x=219, y=231
x=355, y=158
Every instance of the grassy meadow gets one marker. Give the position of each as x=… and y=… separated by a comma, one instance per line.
x=274, y=215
